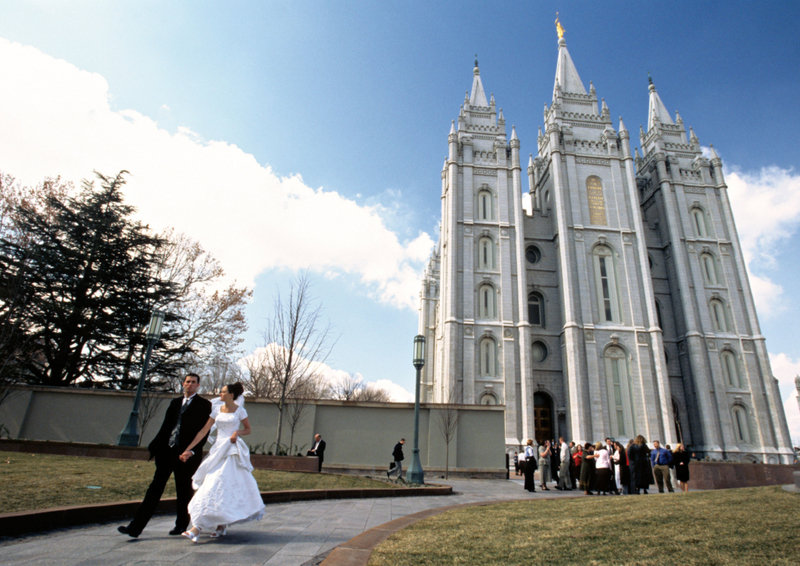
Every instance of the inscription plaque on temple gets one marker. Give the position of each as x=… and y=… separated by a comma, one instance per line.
x=597, y=205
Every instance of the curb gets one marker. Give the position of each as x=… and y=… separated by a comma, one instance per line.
x=25, y=522
x=357, y=550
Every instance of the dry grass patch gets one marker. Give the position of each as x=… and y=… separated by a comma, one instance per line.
x=41, y=481
x=737, y=526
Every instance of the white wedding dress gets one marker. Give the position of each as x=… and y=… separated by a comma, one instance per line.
x=227, y=492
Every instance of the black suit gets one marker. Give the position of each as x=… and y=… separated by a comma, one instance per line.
x=192, y=420
x=319, y=452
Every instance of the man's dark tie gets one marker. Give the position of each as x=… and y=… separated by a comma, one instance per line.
x=173, y=438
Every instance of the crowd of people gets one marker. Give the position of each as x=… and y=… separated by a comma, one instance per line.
x=604, y=468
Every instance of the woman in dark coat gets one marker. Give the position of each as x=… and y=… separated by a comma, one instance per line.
x=528, y=463
x=680, y=459
x=587, y=469
x=639, y=464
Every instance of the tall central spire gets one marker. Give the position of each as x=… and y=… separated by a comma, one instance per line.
x=566, y=74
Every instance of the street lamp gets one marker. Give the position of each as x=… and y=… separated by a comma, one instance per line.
x=130, y=434
x=415, y=474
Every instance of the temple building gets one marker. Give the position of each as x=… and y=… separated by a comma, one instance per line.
x=616, y=303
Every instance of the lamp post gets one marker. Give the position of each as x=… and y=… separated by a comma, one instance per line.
x=415, y=474
x=130, y=434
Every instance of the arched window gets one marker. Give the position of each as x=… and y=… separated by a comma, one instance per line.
x=485, y=205
x=658, y=315
x=619, y=393
x=488, y=361
x=676, y=414
x=536, y=309
x=485, y=253
x=730, y=369
x=718, y=315
x=538, y=352
x=709, y=267
x=741, y=424
x=606, y=283
x=488, y=399
x=487, y=307
x=699, y=222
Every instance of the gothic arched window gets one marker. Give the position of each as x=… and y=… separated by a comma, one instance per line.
x=606, y=282
x=741, y=424
x=485, y=253
x=619, y=393
x=730, y=369
x=487, y=307
x=718, y=316
x=536, y=309
x=485, y=205
x=709, y=267
x=488, y=357
x=699, y=222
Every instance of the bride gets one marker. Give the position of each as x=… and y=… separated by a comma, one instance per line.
x=227, y=492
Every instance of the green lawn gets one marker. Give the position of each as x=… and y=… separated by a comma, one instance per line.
x=736, y=526
x=39, y=481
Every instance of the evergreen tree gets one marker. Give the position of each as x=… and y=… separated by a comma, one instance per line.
x=86, y=272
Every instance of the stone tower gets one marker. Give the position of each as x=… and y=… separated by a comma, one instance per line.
x=728, y=400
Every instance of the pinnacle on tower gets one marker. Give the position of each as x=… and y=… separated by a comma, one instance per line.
x=478, y=96
x=566, y=73
x=657, y=111
x=513, y=130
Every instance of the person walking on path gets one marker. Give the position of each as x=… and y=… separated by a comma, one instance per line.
x=185, y=417
x=227, y=492
x=680, y=459
x=661, y=458
x=397, y=465
x=544, y=464
x=564, y=481
x=528, y=464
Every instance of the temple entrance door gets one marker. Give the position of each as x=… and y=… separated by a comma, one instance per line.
x=542, y=417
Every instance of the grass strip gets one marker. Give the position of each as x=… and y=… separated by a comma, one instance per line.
x=41, y=481
x=723, y=527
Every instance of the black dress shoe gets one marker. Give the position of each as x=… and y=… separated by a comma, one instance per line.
x=176, y=531
x=125, y=530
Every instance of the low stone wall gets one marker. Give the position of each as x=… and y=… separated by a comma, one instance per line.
x=259, y=461
x=726, y=475
x=358, y=435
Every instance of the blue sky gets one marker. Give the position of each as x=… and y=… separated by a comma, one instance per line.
x=311, y=135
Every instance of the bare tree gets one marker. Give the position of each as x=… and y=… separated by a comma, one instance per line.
x=447, y=421
x=297, y=344
x=297, y=405
x=260, y=379
x=351, y=388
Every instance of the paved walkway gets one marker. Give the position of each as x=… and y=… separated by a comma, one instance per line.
x=290, y=534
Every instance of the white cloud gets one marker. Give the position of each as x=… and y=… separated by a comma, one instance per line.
x=766, y=206
x=785, y=370
x=56, y=119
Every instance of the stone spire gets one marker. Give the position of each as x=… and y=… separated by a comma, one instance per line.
x=478, y=96
x=657, y=111
x=566, y=74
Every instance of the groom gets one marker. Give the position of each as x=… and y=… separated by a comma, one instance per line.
x=185, y=417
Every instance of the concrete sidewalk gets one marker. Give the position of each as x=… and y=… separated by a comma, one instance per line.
x=291, y=534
